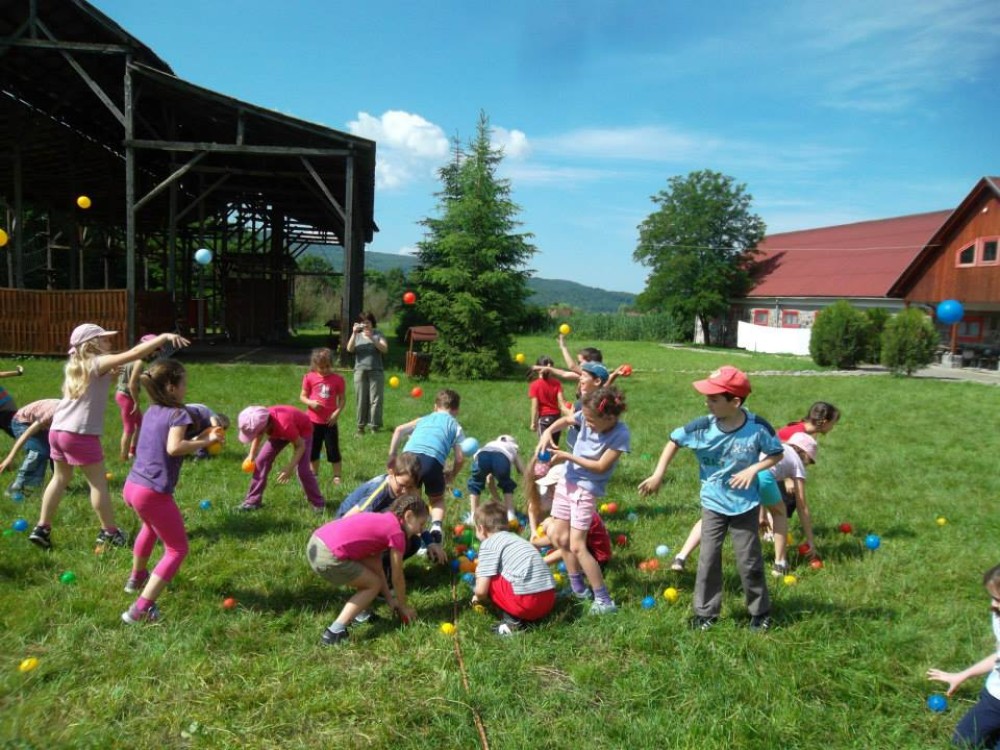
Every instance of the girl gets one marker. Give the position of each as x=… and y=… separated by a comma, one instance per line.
x=127, y=398
x=546, y=396
x=75, y=436
x=149, y=488
x=31, y=425
x=602, y=440
x=980, y=727
x=276, y=427
x=821, y=418
x=348, y=551
x=323, y=394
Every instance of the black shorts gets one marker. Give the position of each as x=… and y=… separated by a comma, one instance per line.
x=328, y=435
x=431, y=475
x=545, y=422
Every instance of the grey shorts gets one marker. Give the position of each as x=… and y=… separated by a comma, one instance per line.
x=333, y=569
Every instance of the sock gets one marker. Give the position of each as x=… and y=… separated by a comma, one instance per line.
x=437, y=535
x=576, y=582
x=337, y=627
x=602, y=596
x=142, y=604
x=511, y=515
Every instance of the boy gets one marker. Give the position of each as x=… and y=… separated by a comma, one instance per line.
x=510, y=572
x=30, y=426
x=204, y=417
x=431, y=438
x=494, y=461
x=378, y=493
x=727, y=444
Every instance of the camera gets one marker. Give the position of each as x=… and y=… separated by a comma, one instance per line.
x=358, y=328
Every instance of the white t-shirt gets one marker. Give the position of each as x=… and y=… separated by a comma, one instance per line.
x=504, y=444
x=790, y=466
x=85, y=415
x=993, y=678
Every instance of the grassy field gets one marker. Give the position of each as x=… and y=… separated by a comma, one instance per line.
x=843, y=668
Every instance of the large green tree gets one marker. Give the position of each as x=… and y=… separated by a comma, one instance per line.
x=471, y=280
x=700, y=244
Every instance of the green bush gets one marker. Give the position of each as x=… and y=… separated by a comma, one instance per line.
x=839, y=335
x=909, y=341
x=877, y=317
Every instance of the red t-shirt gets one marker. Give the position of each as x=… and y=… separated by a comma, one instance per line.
x=598, y=540
x=790, y=429
x=288, y=423
x=325, y=389
x=548, y=391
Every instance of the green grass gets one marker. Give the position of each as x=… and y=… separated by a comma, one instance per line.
x=843, y=669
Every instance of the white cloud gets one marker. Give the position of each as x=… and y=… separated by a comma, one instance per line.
x=408, y=250
x=513, y=142
x=408, y=146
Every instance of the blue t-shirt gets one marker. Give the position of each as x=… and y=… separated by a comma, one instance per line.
x=722, y=454
x=434, y=436
x=374, y=496
x=591, y=444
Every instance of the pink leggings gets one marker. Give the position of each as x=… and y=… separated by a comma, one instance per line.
x=131, y=420
x=161, y=519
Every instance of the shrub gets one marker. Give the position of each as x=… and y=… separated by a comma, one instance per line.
x=909, y=341
x=839, y=334
x=877, y=318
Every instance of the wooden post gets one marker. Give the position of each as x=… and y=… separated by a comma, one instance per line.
x=130, y=328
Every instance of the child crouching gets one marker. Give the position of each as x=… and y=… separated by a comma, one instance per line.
x=510, y=572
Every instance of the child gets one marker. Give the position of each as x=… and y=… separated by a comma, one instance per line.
x=821, y=418
x=149, y=487
x=727, y=444
x=127, y=398
x=276, y=427
x=431, y=438
x=980, y=727
x=510, y=573
x=31, y=427
x=78, y=422
x=349, y=551
x=323, y=394
x=546, y=397
x=495, y=460
x=7, y=405
x=602, y=440
x=203, y=417
x=377, y=494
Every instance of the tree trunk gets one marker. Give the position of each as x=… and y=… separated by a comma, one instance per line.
x=706, y=332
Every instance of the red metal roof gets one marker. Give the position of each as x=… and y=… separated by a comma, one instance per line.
x=850, y=260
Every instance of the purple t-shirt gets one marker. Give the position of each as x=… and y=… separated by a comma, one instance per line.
x=362, y=535
x=154, y=468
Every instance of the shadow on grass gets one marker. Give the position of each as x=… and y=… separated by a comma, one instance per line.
x=241, y=526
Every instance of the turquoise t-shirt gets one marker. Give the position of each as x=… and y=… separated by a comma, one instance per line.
x=435, y=435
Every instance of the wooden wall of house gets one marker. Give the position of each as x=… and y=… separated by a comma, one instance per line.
x=944, y=279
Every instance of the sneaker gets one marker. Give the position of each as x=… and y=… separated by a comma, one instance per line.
x=14, y=489
x=703, y=623
x=780, y=570
x=508, y=626
x=678, y=565
x=134, y=616
x=118, y=538
x=584, y=596
x=136, y=582
x=363, y=616
x=600, y=608
x=319, y=509
x=760, y=623
x=331, y=638
x=41, y=537
x=248, y=507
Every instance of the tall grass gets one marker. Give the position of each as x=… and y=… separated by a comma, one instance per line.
x=624, y=327
x=843, y=669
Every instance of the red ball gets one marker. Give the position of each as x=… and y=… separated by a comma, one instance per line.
x=816, y=564
x=626, y=370
x=459, y=529
x=653, y=564
x=621, y=540
x=409, y=298
x=644, y=566
x=846, y=528
x=804, y=548
x=612, y=507
x=417, y=392
x=229, y=603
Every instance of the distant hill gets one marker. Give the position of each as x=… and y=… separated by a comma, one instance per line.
x=545, y=292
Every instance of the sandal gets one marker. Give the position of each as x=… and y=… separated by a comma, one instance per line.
x=678, y=565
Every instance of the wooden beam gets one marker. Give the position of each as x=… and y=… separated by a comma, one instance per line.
x=323, y=188
x=103, y=49
x=197, y=201
x=234, y=148
x=166, y=183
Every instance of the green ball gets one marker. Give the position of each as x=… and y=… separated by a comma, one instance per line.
x=68, y=577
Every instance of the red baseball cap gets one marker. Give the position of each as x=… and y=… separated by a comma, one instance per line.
x=726, y=379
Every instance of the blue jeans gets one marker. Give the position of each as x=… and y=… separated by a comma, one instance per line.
x=36, y=456
x=980, y=727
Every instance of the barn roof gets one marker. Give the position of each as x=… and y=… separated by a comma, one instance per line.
x=863, y=259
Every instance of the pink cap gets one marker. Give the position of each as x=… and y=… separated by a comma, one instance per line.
x=84, y=333
x=726, y=379
x=806, y=443
x=252, y=422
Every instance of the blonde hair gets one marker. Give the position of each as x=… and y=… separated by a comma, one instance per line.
x=78, y=368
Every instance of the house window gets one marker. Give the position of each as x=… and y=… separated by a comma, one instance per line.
x=967, y=256
x=988, y=251
x=790, y=319
x=761, y=317
x=970, y=330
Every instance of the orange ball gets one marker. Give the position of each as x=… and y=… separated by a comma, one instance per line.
x=214, y=449
x=229, y=603
x=249, y=466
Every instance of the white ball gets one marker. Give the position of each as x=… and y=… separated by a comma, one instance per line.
x=203, y=256
x=662, y=551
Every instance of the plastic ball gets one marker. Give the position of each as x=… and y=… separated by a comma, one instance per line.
x=68, y=577
x=950, y=311
x=205, y=504
x=653, y=564
x=455, y=564
x=109, y=476
x=633, y=517
x=648, y=602
x=4, y=238
x=460, y=549
x=644, y=566
x=459, y=529
x=456, y=492
x=612, y=508
x=249, y=466
x=20, y=525
x=816, y=564
x=790, y=580
x=471, y=554
x=394, y=382
x=565, y=330
x=203, y=256
x=479, y=609
x=545, y=456
x=845, y=528
x=469, y=446
x=804, y=548
x=28, y=664
x=84, y=202
x=561, y=567
x=465, y=565
x=519, y=358
x=941, y=521
x=662, y=550
x=214, y=449
x=469, y=578
x=409, y=298
x=558, y=578
x=17, y=497
x=621, y=540
x=602, y=508
x=873, y=541
x=229, y=603
x=417, y=392
x=447, y=628
x=9, y=532
x=626, y=370
x=671, y=594
x=937, y=703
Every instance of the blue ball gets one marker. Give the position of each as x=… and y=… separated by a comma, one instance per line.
x=648, y=602
x=937, y=703
x=873, y=541
x=205, y=504
x=544, y=457
x=20, y=525
x=633, y=517
x=561, y=566
x=471, y=554
x=469, y=578
x=469, y=446
x=950, y=311
x=454, y=565
x=456, y=492
x=203, y=256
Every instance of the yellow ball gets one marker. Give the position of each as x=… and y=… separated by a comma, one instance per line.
x=603, y=508
x=558, y=578
x=671, y=594
x=790, y=580
x=83, y=202
x=941, y=521
x=28, y=664
x=447, y=628
x=394, y=382
x=564, y=329
x=109, y=476
x=790, y=539
x=214, y=449
x=519, y=358
x=4, y=239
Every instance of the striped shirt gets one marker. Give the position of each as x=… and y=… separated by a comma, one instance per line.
x=517, y=560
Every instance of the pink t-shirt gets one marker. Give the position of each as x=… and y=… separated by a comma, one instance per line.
x=325, y=389
x=85, y=415
x=38, y=411
x=362, y=535
x=288, y=423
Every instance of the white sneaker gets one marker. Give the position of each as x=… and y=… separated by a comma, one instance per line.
x=603, y=609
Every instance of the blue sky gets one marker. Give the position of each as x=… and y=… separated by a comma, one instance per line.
x=829, y=112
